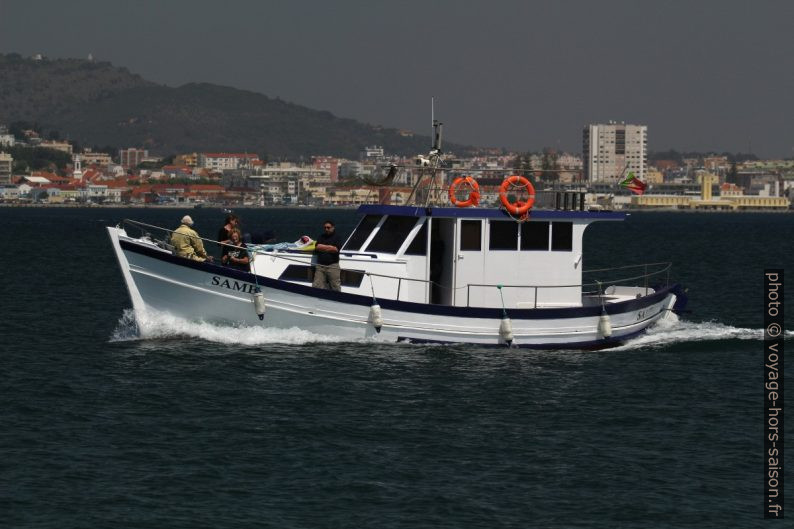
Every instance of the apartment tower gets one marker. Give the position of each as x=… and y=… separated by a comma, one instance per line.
x=613, y=150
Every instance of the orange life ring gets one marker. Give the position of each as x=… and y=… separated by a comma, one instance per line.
x=474, y=195
x=519, y=207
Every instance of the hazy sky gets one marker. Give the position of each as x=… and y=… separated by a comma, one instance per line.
x=703, y=75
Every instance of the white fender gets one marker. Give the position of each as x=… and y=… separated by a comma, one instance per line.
x=376, y=317
x=604, y=325
x=259, y=305
x=506, y=331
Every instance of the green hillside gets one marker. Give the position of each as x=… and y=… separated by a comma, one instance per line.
x=96, y=103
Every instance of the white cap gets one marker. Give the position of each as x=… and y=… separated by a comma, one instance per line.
x=187, y=220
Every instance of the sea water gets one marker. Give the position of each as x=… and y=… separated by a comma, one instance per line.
x=116, y=419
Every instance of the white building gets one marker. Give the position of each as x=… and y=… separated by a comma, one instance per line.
x=37, y=180
x=9, y=193
x=613, y=150
x=222, y=161
x=101, y=193
x=375, y=151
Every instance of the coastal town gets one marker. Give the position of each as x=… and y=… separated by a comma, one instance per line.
x=612, y=154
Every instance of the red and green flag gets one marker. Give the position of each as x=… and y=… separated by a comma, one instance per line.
x=634, y=184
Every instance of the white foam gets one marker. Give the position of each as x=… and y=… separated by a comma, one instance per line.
x=666, y=332
x=152, y=325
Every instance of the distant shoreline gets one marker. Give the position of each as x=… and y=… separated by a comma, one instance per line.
x=163, y=206
x=233, y=208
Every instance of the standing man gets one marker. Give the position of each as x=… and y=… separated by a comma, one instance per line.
x=187, y=242
x=327, y=272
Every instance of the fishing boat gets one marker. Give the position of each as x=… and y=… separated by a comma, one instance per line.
x=453, y=273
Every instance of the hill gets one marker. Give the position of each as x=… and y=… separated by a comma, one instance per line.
x=96, y=103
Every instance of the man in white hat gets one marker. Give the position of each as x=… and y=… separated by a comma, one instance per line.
x=187, y=243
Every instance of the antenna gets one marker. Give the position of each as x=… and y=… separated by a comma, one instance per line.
x=437, y=125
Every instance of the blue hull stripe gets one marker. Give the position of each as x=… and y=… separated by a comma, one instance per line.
x=590, y=345
x=402, y=306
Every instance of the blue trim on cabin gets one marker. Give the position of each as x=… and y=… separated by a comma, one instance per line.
x=485, y=213
x=404, y=306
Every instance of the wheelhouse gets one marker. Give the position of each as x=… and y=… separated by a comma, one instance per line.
x=454, y=256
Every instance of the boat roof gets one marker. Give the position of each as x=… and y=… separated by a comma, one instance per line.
x=480, y=213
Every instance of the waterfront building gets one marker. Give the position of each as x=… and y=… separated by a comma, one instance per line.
x=36, y=180
x=9, y=193
x=286, y=170
x=349, y=169
x=731, y=197
x=569, y=161
x=179, y=171
x=222, y=161
x=90, y=158
x=612, y=150
x=286, y=183
x=329, y=164
x=652, y=176
x=352, y=196
x=6, y=168
x=767, y=165
x=315, y=193
x=100, y=193
x=716, y=163
x=132, y=157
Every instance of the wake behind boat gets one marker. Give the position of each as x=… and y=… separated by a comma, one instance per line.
x=508, y=276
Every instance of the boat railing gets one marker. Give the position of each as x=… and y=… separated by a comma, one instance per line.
x=652, y=273
x=649, y=270
x=142, y=226
x=593, y=288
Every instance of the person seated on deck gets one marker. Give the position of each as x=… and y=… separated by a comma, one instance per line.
x=187, y=243
x=327, y=273
x=234, y=253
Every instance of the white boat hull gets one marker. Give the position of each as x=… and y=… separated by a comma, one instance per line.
x=208, y=292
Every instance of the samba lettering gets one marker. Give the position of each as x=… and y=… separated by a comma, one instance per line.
x=237, y=286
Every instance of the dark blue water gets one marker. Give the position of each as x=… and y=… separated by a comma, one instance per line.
x=202, y=426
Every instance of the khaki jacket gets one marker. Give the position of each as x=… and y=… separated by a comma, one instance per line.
x=187, y=243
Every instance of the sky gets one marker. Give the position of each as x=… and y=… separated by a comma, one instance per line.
x=702, y=75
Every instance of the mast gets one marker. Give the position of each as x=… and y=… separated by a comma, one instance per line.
x=435, y=193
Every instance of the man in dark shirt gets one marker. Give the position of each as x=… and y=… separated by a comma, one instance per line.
x=327, y=272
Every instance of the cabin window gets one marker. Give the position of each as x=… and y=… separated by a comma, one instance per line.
x=470, y=235
x=305, y=274
x=392, y=234
x=535, y=235
x=362, y=233
x=419, y=245
x=504, y=235
x=562, y=236
x=297, y=273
